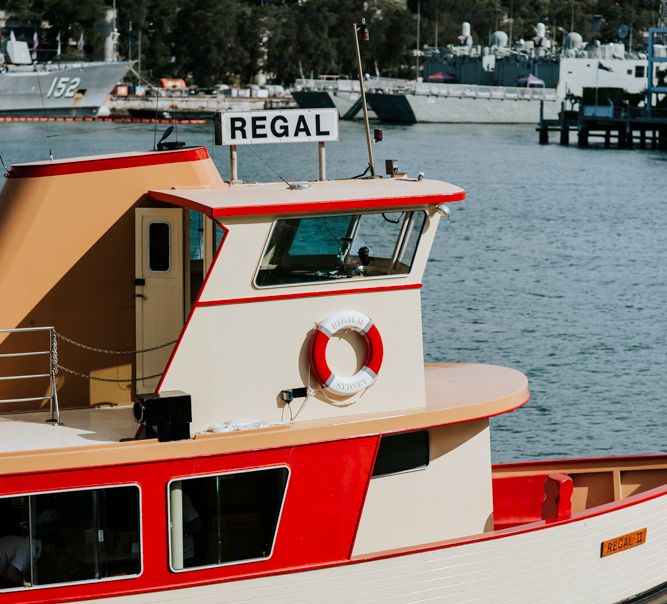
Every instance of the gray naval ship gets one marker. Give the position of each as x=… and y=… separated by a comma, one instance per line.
x=67, y=89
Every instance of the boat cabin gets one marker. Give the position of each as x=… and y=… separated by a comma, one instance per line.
x=206, y=382
x=155, y=277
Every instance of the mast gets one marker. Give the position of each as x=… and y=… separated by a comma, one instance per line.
x=662, y=14
x=363, y=32
x=419, y=18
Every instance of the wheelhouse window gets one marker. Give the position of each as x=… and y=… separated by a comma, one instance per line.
x=69, y=537
x=325, y=248
x=402, y=452
x=226, y=518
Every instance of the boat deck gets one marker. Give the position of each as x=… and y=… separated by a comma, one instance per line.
x=454, y=393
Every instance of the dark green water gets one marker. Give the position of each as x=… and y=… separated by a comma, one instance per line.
x=555, y=265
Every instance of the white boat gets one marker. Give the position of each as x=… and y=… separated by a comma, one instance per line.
x=58, y=89
x=287, y=442
x=469, y=103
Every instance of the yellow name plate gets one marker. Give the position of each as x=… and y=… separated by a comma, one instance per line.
x=619, y=544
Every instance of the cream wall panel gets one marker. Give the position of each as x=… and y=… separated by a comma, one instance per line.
x=450, y=498
x=235, y=359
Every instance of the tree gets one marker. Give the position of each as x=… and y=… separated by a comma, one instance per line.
x=72, y=17
x=208, y=38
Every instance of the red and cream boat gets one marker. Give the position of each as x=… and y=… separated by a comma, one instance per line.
x=292, y=444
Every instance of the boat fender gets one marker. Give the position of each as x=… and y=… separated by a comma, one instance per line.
x=367, y=375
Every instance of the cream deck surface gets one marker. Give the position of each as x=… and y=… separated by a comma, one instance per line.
x=454, y=393
x=29, y=431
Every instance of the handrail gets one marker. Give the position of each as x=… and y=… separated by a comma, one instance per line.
x=24, y=354
x=53, y=369
x=23, y=329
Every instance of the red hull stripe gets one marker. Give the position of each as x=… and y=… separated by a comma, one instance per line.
x=314, y=206
x=338, y=292
x=107, y=163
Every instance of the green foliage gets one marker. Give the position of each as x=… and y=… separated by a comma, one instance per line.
x=216, y=41
x=72, y=17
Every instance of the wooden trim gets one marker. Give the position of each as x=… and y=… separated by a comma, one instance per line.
x=584, y=464
x=286, y=435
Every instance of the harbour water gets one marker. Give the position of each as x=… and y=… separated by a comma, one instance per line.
x=556, y=264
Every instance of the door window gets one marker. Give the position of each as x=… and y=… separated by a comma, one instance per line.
x=159, y=247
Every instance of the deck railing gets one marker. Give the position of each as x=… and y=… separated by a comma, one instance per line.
x=52, y=353
x=478, y=91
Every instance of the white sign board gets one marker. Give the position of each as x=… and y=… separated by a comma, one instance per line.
x=286, y=126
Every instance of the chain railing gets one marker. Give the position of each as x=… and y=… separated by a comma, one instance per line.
x=55, y=366
x=109, y=351
x=86, y=376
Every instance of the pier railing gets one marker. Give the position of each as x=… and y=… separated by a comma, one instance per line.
x=477, y=91
x=343, y=85
x=52, y=355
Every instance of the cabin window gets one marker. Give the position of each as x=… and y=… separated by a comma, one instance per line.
x=326, y=248
x=69, y=537
x=225, y=519
x=159, y=247
x=639, y=71
x=402, y=452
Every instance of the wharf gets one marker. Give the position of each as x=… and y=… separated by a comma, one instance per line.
x=624, y=126
x=199, y=107
x=621, y=121
x=123, y=119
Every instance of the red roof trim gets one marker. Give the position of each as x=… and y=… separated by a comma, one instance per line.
x=81, y=166
x=313, y=206
x=293, y=296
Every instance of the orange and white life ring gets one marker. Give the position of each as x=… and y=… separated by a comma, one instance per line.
x=367, y=375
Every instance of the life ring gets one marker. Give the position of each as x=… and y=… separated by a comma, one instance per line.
x=367, y=375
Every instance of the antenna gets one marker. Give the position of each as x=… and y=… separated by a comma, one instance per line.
x=362, y=32
x=46, y=121
x=662, y=14
x=157, y=92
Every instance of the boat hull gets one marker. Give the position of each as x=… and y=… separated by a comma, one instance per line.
x=416, y=108
x=70, y=90
x=348, y=104
x=542, y=562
